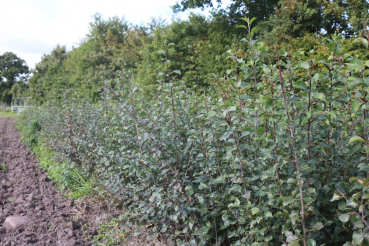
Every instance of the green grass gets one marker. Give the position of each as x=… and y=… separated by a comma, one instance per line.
x=8, y=113
x=72, y=182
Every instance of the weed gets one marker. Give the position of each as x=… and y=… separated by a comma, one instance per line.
x=110, y=234
x=3, y=167
x=69, y=179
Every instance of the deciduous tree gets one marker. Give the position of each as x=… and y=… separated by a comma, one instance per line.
x=294, y=18
x=12, y=69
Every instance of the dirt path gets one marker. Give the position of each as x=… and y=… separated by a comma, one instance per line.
x=32, y=211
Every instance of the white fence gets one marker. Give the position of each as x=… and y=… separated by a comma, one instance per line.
x=20, y=104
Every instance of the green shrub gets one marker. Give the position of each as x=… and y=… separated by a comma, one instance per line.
x=261, y=158
x=29, y=128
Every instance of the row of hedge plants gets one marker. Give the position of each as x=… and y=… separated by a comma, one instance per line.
x=275, y=153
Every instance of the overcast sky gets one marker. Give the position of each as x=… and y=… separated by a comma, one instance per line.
x=31, y=28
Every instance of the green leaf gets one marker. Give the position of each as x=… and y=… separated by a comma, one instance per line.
x=358, y=81
x=365, y=196
x=336, y=197
x=344, y=217
x=317, y=77
x=351, y=203
x=241, y=84
x=177, y=72
x=364, y=168
x=202, y=186
x=318, y=226
x=294, y=217
x=241, y=26
x=311, y=242
x=232, y=109
x=299, y=85
x=356, y=139
x=255, y=28
x=202, y=209
x=320, y=96
x=268, y=238
x=291, y=181
x=252, y=20
x=189, y=190
x=211, y=113
x=357, y=238
x=362, y=41
x=304, y=64
x=255, y=211
x=356, y=64
x=161, y=51
x=288, y=201
x=292, y=238
x=268, y=214
x=282, y=52
x=354, y=179
x=365, y=106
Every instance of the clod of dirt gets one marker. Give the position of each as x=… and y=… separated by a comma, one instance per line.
x=13, y=222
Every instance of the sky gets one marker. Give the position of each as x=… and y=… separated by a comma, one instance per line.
x=32, y=28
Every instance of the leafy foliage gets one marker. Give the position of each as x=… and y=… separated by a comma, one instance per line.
x=293, y=18
x=110, y=45
x=114, y=45
x=263, y=156
x=195, y=50
x=48, y=81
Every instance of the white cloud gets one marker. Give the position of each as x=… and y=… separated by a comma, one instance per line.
x=31, y=28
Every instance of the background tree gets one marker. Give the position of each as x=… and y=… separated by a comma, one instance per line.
x=12, y=69
x=195, y=50
x=49, y=78
x=19, y=89
x=110, y=46
x=294, y=18
x=261, y=9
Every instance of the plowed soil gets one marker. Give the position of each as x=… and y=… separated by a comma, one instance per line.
x=27, y=192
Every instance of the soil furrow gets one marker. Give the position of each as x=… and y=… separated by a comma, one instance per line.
x=32, y=211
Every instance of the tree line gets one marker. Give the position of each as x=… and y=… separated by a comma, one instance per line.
x=196, y=48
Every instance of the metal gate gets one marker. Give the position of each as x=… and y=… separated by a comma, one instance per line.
x=20, y=104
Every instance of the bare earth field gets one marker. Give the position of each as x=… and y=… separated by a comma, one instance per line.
x=32, y=211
